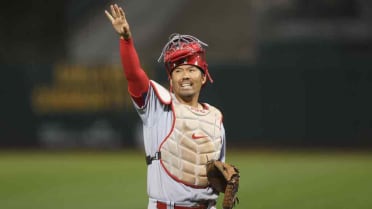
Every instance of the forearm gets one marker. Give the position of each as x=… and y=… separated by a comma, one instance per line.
x=138, y=81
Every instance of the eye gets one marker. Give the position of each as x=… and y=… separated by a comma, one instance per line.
x=177, y=70
x=192, y=70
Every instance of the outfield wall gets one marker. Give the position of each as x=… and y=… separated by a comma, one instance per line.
x=305, y=94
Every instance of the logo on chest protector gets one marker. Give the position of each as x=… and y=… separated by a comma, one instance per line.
x=197, y=136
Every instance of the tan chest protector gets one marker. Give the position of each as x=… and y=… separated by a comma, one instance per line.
x=194, y=139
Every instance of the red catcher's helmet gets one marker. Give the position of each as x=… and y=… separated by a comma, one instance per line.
x=184, y=50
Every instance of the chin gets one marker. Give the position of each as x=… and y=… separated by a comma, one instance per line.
x=186, y=95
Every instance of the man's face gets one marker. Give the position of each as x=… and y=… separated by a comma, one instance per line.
x=186, y=81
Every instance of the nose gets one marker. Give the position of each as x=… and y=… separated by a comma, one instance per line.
x=185, y=74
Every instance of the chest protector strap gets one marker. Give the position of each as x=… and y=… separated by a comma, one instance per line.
x=150, y=158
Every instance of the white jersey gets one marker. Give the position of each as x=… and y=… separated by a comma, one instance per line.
x=157, y=119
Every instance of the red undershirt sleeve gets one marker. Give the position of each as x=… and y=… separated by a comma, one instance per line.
x=138, y=81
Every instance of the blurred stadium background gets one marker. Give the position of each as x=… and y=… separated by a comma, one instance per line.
x=290, y=76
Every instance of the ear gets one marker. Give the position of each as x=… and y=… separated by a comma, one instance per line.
x=170, y=83
x=204, y=78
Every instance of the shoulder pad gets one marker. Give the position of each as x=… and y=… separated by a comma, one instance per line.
x=162, y=93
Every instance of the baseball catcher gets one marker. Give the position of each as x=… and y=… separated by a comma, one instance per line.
x=224, y=178
x=180, y=132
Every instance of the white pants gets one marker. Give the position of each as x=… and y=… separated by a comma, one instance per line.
x=152, y=204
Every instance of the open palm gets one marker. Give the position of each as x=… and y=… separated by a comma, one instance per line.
x=118, y=20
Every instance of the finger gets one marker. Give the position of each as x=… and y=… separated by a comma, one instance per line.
x=121, y=12
x=109, y=16
x=116, y=7
x=113, y=11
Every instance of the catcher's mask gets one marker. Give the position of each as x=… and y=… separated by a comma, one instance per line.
x=184, y=50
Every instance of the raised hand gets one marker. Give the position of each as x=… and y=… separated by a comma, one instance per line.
x=119, y=22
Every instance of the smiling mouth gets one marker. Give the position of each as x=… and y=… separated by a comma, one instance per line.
x=186, y=85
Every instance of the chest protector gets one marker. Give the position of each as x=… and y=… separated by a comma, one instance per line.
x=194, y=140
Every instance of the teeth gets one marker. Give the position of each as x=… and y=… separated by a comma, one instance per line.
x=185, y=84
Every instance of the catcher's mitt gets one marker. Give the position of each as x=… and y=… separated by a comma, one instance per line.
x=224, y=178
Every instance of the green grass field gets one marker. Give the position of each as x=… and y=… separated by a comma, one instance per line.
x=101, y=180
